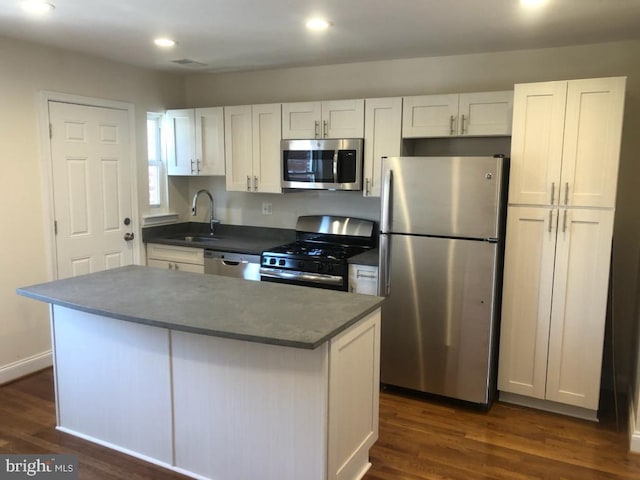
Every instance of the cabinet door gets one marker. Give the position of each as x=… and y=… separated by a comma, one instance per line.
x=526, y=300
x=209, y=138
x=593, y=129
x=238, y=148
x=429, y=116
x=579, y=306
x=485, y=113
x=536, y=143
x=382, y=138
x=267, y=167
x=301, y=120
x=181, y=155
x=343, y=119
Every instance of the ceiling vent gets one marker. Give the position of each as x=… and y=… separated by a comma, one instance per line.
x=187, y=62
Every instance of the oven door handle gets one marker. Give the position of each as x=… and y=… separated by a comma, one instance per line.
x=319, y=278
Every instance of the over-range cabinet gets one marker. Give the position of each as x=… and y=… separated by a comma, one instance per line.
x=564, y=171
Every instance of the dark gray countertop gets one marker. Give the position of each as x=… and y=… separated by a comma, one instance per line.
x=261, y=312
x=370, y=257
x=235, y=238
x=229, y=238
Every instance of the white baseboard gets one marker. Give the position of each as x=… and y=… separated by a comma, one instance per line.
x=25, y=366
x=549, y=406
x=131, y=453
x=634, y=434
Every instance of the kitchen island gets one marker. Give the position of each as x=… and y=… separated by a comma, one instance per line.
x=217, y=377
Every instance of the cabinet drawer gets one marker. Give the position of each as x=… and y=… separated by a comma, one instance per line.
x=173, y=253
x=363, y=279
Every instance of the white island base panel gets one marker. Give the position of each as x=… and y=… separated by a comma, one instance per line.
x=217, y=408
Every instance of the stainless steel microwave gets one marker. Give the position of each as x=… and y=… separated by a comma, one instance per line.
x=322, y=164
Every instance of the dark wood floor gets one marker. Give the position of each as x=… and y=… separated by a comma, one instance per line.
x=418, y=440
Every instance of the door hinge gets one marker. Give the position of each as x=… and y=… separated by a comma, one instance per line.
x=55, y=227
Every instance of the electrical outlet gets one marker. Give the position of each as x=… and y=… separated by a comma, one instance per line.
x=267, y=208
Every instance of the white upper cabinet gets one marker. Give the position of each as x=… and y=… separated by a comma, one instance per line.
x=252, y=148
x=382, y=138
x=330, y=119
x=452, y=115
x=565, y=146
x=180, y=141
x=195, y=141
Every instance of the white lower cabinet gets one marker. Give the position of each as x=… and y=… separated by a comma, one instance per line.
x=219, y=408
x=171, y=257
x=363, y=279
x=554, y=304
x=250, y=410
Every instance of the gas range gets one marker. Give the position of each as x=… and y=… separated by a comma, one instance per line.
x=319, y=256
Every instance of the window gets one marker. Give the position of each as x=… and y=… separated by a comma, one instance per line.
x=154, y=152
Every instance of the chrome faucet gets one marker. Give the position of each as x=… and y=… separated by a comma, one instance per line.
x=212, y=222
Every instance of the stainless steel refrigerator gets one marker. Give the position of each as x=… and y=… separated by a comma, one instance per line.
x=441, y=250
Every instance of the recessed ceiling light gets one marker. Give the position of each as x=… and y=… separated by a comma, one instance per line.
x=532, y=3
x=37, y=7
x=164, y=42
x=317, y=24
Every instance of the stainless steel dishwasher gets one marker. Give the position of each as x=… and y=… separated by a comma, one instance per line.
x=229, y=264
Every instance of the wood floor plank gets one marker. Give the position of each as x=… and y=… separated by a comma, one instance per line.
x=419, y=440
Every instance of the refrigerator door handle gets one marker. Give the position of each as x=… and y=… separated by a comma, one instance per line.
x=384, y=286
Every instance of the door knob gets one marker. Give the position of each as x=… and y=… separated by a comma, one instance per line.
x=128, y=236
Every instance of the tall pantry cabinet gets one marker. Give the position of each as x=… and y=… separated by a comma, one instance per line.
x=564, y=167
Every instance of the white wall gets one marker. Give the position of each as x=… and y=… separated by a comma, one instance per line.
x=464, y=73
x=26, y=70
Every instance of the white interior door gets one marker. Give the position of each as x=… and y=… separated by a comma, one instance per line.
x=91, y=172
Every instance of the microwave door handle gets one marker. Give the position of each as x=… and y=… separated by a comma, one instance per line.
x=335, y=166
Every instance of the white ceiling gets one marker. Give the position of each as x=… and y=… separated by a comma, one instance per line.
x=228, y=35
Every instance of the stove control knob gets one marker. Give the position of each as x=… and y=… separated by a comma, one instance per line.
x=300, y=264
x=272, y=261
x=330, y=268
x=319, y=266
x=281, y=262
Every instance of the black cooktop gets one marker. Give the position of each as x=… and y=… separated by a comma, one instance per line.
x=317, y=250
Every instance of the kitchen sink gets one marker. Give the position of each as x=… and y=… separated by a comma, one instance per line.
x=196, y=238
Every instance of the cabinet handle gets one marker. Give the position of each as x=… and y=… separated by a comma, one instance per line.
x=175, y=266
x=462, y=125
x=566, y=193
x=369, y=276
x=366, y=187
x=553, y=192
x=248, y=183
x=192, y=162
x=316, y=133
x=198, y=166
x=325, y=128
x=255, y=184
x=452, y=130
x=550, y=219
x=564, y=222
